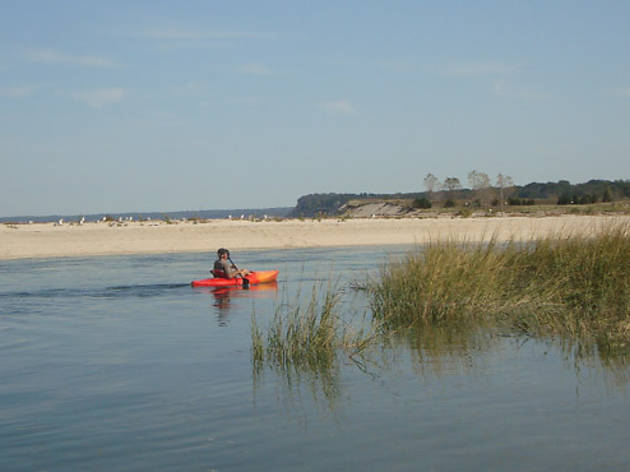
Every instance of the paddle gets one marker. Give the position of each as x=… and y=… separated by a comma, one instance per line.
x=245, y=280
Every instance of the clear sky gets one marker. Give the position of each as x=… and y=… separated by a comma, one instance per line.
x=112, y=106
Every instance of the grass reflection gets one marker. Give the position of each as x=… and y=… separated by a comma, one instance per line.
x=304, y=342
x=438, y=349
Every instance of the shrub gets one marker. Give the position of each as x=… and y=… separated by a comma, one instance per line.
x=423, y=202
x=606, y=197
x=565, y=199
x=465, y=212
x=513, y=201
x=587, y=199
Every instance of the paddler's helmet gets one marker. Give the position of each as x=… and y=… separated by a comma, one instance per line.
x=222, y=251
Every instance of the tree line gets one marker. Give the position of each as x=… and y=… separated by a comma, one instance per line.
x=504, y=192
x=482, y=192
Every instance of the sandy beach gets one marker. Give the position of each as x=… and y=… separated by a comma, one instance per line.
x=42, y=240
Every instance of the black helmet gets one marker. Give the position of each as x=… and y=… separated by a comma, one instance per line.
x=222, y=251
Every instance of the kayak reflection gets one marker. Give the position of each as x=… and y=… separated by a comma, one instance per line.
x=224, y=295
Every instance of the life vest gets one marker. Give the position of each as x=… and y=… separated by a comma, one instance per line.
x=218, y=273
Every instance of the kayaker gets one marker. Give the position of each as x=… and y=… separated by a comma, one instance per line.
x=225, y=268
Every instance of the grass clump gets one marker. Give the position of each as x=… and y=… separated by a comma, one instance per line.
x=307, y=335
x=562, y=285
x=445, y=282
x=592, y=275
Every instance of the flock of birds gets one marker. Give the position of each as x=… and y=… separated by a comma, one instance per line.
x=120, y=219
x=81, y=221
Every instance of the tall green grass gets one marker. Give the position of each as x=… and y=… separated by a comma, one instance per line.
x=568, y=284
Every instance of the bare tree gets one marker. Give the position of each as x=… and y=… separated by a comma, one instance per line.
x=503, y=182
x=480, y=184
x=451, y=183
x=431, y=182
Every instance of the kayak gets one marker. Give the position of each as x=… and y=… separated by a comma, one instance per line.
x=260, y=277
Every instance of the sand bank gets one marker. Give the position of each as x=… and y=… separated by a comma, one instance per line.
x=90, y=239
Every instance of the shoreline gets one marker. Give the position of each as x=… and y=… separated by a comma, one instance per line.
x=50, y=240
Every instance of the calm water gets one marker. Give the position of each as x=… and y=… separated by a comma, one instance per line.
x=116, y=363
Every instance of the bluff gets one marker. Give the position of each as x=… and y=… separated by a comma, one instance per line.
x=328, y=204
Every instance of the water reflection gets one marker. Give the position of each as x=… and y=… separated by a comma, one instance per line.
x=593, y=354
x=303, y=344
x=222, y=297
x=434, y=351
x=322, y=380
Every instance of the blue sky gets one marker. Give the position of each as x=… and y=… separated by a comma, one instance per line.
x=161, y=106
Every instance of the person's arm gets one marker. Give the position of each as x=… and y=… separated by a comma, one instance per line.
x=232, y=272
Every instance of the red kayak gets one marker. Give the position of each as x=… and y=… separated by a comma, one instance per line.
x=260, y=277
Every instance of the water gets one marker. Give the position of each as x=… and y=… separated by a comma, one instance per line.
x=116, y=363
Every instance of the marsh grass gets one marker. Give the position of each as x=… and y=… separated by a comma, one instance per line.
x=307, y=335
x=306, y=340
x=563, y=285
x=449, y=302
x=592, y=276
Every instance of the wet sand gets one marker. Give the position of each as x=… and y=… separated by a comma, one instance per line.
x=41, y=240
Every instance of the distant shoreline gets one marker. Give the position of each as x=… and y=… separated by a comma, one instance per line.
x=49, y=240
x=151, y=215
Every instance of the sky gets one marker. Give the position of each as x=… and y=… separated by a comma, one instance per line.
x=125, y=106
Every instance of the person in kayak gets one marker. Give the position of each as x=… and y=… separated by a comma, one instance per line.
x=225, y=268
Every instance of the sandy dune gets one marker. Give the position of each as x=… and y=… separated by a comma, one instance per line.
x=48, y=240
